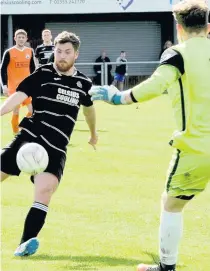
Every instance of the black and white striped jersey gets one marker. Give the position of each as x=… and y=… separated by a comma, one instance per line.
x=56, y=100
x=43, y=53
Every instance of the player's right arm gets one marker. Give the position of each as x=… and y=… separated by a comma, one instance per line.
x=118, y=60
x=153, y=87
x=36, y=58
x=171, y=68
x=90, y=115
x=28, y=87
x=32, y=62
x=10, y=103
x=4, y=75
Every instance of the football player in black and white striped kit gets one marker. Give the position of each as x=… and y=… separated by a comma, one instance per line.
x=44, y=51
x=57, y=90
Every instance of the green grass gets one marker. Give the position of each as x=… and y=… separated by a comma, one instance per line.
x=105, y=214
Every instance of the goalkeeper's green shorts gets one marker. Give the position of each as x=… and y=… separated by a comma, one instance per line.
x=188, y=174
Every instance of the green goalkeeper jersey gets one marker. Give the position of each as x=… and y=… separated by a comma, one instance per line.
x=185, y=72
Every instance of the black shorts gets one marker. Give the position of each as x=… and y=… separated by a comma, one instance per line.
x=9, y=166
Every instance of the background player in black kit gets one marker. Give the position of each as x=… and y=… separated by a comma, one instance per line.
x=45, y=50
x=57, y=91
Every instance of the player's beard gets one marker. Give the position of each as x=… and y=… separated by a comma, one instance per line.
x=64, y=66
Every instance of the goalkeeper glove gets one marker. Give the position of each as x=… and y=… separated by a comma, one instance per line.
x=109, y=94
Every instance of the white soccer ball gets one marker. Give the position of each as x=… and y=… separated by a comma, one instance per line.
x=32, y=158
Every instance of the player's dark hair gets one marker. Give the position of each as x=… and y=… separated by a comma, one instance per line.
x=20, y=31
x=122, y=52
x=65, y=37
x=192, y=15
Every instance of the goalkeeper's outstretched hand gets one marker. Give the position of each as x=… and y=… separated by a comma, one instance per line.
x=104, y=93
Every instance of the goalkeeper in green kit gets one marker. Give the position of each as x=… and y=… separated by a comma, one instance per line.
x=184, y=71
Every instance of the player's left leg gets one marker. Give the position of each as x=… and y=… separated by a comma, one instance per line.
x=188, y=176
x=115, y=81
x=30, y=110
x=121, y=82
x=171, y=229
x=121, y=85
x=45, y=185
x=27, y=102
x=170, y=233
x=15, y=120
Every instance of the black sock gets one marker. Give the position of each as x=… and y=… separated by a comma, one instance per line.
x=34, y=221
x=165, y=267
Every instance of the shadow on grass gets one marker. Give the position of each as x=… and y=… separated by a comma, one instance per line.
x=81, y=267
x=72, y=145
x=87, y=130
x=94, y=263
x=88, y=262
x=154, y=257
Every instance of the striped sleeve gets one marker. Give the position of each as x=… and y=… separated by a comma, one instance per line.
x=4, y=64
x=37, y=52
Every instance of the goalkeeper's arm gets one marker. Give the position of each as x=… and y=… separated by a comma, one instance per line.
x=161, y=80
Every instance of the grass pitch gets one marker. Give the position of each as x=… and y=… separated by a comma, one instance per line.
x=105, y=214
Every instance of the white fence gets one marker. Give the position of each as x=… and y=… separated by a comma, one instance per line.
x=89, y=71
x=139, y=68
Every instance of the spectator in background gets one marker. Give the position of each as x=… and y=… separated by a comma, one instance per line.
x=45, y=50
x=97, y=68
x=120, y=71
x=167, y=45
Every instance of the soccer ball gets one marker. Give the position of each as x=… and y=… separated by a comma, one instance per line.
x=32, y=158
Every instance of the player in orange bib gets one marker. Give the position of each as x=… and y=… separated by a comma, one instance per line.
x=17, y=64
